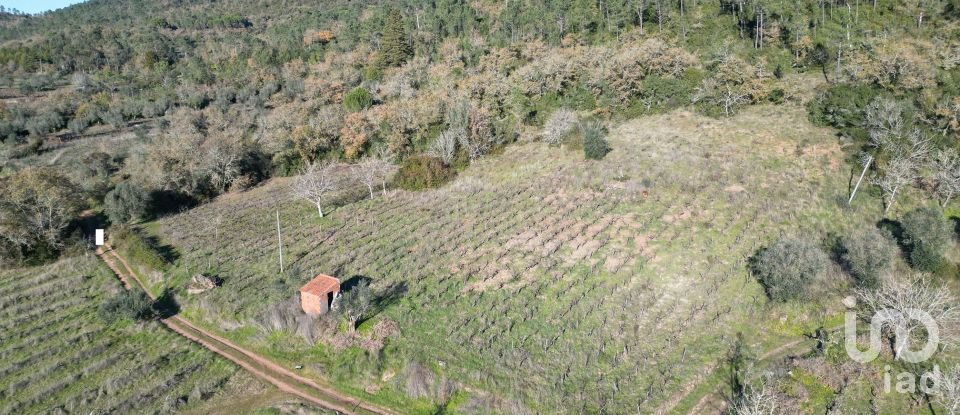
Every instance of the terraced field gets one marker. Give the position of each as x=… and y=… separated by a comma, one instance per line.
x=539, y=281
x=57, y=356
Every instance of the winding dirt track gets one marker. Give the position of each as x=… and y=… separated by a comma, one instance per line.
x=261, y=367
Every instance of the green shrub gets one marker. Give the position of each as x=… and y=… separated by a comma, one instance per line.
x=136, y=247
x=126, y=203
x=927, y=234
x=925, y=258
x=422, y=172
x=126, y=304
x=866, y=253
x=595, y=146
x=788, y=266
x=841, y=107
x=357, y=99
x=372, y=73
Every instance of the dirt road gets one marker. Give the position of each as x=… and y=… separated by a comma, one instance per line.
x=261, y=367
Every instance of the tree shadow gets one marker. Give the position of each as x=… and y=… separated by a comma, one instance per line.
x=166, y=305
x=167, y=202
x=353, y=281
x=896, y=230
x=88, y=224
x=166, y=251
x=956, y=225
x=381, y=300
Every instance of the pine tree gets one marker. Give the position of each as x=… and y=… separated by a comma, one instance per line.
x=396, y=47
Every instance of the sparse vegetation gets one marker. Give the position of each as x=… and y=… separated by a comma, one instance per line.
x=422, y=172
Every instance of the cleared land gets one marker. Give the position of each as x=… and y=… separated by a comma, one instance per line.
x=538, y=280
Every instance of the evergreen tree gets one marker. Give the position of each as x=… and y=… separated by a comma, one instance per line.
x=395, y=46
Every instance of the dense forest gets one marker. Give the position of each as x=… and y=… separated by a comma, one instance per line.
x=224, y=94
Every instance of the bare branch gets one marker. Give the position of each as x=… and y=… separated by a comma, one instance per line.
x=315, y=182
x=903, y=298
x=947, y=390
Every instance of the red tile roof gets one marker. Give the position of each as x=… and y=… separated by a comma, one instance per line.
x=321, y=284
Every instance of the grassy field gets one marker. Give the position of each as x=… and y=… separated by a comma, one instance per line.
x=58, y=356
x=539, y=281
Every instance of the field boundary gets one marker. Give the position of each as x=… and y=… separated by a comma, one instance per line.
x=259, y=366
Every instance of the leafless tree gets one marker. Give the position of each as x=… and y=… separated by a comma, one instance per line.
x=560, y=124
x=884, y=122
x=223, y=163
x=727, y=95
x=476, y=145
x=315, y=183
x=899, y=172
x=908, y=154
x=898, y=300
x=386, y=166
x=369, y=171
x=948, y=390
x=445, y=146
x=946, y=175
x=758, y=401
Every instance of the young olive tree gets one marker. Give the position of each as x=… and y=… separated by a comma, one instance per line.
x=354, y=303
x=867, y=252
x=928, y=235
x=315, y=182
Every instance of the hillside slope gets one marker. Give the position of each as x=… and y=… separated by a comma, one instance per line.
x=535, y=277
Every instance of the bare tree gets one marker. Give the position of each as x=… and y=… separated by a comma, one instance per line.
x=476, y=145
x=897, y=301
x=884, y=122
x=907, y=156
x=223, y=163
x=899, y=172
x=946, y=175
x=560, y=124
x=369, y=171
x=445, y=146
x=758, y=401
x=386, y=166
x=315, y=182
x=948, y=390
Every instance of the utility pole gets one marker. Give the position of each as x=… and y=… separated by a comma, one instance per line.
x=279, y=241
x=866, y=165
